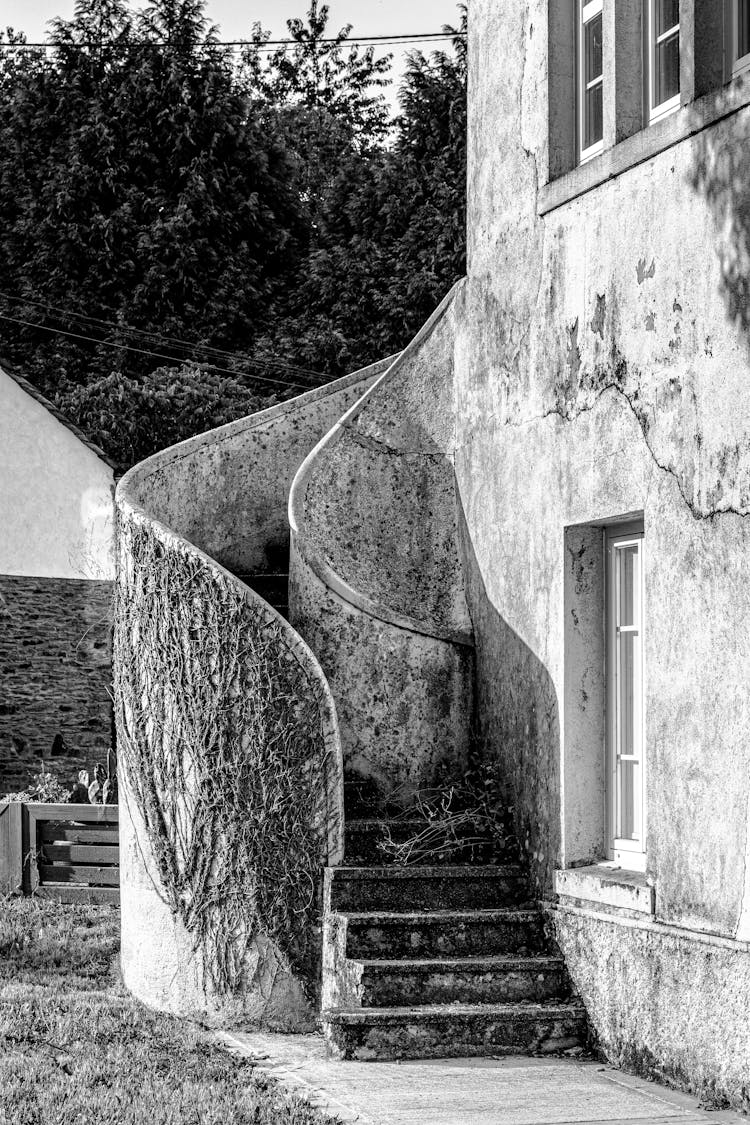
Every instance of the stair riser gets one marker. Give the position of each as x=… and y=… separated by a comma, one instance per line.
x=362, y=848
x=455, y=1037
x=392, y=989
x=406, y=894
x=449, y=938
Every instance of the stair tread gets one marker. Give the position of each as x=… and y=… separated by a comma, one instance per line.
x=427, y=871
x=504, y=961
x=360, y=823
x=487, y=913
x=427, y=1011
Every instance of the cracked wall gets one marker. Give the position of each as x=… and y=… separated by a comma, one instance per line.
x=603, y=369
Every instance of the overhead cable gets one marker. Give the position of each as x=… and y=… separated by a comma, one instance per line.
x=158, y=337
x=268, y=44
x=155, y=355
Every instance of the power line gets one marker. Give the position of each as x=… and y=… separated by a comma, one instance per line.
x=171, y=341
x=268, y=44
x=155, y=355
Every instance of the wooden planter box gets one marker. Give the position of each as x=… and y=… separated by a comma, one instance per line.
x=11, y=848
x=66, y=852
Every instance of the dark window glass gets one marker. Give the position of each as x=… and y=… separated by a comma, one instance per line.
x=743, y=28
x=666, y=15
x=593, y=49
x=667, y=69
x=593, y=116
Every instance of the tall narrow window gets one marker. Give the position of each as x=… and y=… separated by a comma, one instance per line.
x=741, y=35
x=624, y=628
x=590, y=79
x=663, y=29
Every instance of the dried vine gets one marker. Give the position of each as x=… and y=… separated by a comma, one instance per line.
x=221, y=740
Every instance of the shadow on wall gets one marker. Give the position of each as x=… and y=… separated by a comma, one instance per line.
x=720, y=176
x=518, y=722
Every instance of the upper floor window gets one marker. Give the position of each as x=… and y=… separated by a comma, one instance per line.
x=663, y=40
x=740, y=51
x=590, y=79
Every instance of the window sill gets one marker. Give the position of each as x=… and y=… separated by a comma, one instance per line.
x=605, y=885
x=649, y=142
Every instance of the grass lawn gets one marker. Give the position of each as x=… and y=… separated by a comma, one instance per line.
x=76, y=1049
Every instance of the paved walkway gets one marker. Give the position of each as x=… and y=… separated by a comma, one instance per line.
x=511, y=1091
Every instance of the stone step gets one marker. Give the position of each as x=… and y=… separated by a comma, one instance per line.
x=362, y=798
x=473, y=980
x=454, y=1030
x=365, y=836
x=434, y=887
x=273, y=587
x=444, y=933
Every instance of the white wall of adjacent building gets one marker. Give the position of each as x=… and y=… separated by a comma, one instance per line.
x=56, y=495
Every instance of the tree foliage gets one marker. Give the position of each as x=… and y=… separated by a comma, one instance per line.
x=222, y=217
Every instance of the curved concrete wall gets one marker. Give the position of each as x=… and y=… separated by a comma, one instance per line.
x=227, y=490
x=376, y=580
x=224, y=492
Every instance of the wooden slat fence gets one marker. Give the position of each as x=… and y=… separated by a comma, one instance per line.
x=65, y=852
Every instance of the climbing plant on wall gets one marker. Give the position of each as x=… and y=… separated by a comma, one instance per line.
x=221, y=736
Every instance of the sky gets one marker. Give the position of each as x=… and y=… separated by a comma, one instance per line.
x=235, y=17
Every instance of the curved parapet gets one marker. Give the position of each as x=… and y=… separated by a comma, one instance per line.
x=228, y=742
x=376, y=578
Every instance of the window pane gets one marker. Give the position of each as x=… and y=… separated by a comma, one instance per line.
x=629, y=802
x=593, y=116
x=666, y=15
x=593, y=49
x=743, y=28
x=626, y=694
x=627, y=573
x=667, y=69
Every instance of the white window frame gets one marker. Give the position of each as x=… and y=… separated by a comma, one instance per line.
x=656, y=112
x=630, y=854
x=587, y=10
x=741, y=64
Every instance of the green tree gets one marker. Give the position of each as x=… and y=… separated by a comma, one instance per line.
x=389, y=226
x=320, y=71
x=139, y=189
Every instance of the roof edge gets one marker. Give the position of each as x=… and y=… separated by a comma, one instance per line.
x=29, y=388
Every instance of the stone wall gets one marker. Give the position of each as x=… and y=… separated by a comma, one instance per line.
x=55, y=659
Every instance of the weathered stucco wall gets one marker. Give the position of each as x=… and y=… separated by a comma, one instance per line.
x=688, y=998
x=603, y=368
x=377, y=580
x=55, y=494
x=600, y=373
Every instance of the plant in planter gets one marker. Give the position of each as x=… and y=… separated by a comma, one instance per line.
x=44, y=787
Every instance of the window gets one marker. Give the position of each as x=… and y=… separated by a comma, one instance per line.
x=663, y=32
x=590, y=79
x=625, y=725
x=740, y=45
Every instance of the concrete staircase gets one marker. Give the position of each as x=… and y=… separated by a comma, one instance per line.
x=439, y=961
x=274, y=588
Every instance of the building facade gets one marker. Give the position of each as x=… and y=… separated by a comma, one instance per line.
x=56, y=571
x=603, y=469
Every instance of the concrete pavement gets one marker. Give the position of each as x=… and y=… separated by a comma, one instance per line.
x=508, y=1091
